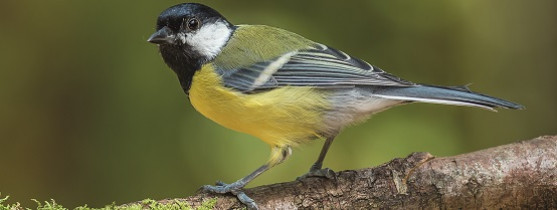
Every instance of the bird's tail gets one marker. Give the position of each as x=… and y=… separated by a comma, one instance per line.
x=460, y=96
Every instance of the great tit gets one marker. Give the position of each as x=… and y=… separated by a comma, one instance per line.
x=281, y=87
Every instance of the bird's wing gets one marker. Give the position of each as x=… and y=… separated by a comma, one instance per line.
x=320, y=67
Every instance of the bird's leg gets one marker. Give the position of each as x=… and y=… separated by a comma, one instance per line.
x=278, y=155
x=316, y=170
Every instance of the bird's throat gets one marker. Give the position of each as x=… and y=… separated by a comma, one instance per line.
x=183, y=63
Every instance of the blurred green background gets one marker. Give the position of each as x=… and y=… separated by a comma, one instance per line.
x=90, y=114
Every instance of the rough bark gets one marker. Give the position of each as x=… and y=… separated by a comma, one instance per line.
x=518, y=175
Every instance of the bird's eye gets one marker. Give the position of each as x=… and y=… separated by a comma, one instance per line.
x=193, y=24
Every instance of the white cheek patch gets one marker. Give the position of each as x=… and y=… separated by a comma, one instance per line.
x=209, y=39
x=182, y=37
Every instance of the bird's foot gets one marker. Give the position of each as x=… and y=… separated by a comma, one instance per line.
x=234, y=188
x=324, y=172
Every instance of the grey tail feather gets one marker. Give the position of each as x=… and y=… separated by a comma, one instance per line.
x=461, y=96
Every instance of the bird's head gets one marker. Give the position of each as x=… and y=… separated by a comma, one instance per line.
x=190, y=35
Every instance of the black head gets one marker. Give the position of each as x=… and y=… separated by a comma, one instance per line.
x=190, y=35
x=175, y=16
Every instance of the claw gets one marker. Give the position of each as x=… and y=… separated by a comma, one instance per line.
x=234, y=188
x=250, y=203
x=326, y=172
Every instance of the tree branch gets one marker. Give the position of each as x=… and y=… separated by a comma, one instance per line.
x=518, y=175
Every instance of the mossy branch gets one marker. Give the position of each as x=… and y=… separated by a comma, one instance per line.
x=518, y=175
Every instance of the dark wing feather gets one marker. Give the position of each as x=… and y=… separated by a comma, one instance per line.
x=320, y=67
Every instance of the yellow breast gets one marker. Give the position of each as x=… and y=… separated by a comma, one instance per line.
x=280, y=117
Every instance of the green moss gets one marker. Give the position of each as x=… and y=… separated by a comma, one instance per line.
x=4, y=206
x=208, y=205
x=52, y=205
x=144, y=204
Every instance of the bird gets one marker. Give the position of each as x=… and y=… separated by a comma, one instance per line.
x=281, y=87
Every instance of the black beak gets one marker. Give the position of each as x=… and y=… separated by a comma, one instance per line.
x=162, y=36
